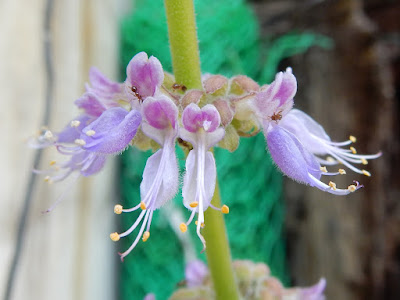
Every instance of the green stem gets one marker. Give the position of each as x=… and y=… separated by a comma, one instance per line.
x=183, y=41
x=186, y=65
x=218, y=252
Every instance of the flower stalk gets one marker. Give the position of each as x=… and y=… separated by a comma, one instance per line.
x=186, y=67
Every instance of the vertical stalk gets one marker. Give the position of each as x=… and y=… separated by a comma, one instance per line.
x=183, y=42
x=186, y=66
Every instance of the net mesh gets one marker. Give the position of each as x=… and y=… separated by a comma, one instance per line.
x=229, y=44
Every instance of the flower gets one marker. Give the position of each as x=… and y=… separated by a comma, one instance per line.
x=201, y=129
x=297, y=143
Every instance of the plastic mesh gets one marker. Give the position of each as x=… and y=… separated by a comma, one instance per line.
x=250, y=185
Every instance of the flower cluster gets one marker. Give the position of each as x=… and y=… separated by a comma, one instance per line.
x=151, y=111
x=255, y=282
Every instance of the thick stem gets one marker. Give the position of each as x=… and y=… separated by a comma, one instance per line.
x=183, y=42
x=186, y=66
x=218, y=252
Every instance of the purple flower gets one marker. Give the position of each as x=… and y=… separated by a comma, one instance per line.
x=201, y=129
x=297, y=143
x=161, y=174
x=195, y=272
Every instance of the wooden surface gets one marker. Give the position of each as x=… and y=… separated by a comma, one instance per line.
x=67, y=254
x=353, y=241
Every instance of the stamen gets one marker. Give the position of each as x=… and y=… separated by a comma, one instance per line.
x=323, y=169
x=80, y=142
x=114, y=237
x=118, y=209
x=90, y=133
x=194, y=204
x=183, y=227
x=330, y=159
x=332, y=185
x=146, y=236
x=353, y=150
x=352, y=188
x=225, y=209
x=142, y=205
x=202, y=224
x=52, y=163
x=364, y=161
x=75, y=123
x=353, y=139
x=366, y=173
x=342, y=171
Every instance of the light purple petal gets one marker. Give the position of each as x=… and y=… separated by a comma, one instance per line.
x=114, y=129
x=194, y=118
x=306, y=130
x=195, y=272
x=150, y=297
x=160, y=112
x=101, y=85
x=69, y=134
x=291, y=157
x=315, y=292
x=146, y=74
x=91, y=105
x=160, y=177
x=94, y=166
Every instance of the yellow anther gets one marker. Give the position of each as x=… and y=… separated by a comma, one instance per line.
x=366, y=173
x=80, y=142
x=194, y=204
x=353, y=150
x=183, y=227
x=353, y=139
x=47, y=179
x=52, y=163
x=364, y=161
x=90, y=133
x=323, y=169
x=342, y=171
x=352, y=188
x=332, y=185
x=118, y=209
x=202, y=224
x=75, y=123
x=143, y=205
x=225, y=209
x=330, y=159
x=146, y=236
x=114, y=237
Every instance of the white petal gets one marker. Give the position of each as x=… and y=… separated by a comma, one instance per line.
x=160, y=178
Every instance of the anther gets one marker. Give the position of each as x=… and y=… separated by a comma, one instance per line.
x=225, y=209
x=366, y=173
x=330, y=159
x=118, y=209
x=114, y=237
x=90, y=133
x=352, y=188
x=80, y=142
x=342, y=171
x=332, y=185
x=48, y=135
x=353, y=139
x=47, y=179
x=202, y=224
x=52, y=163
x=75, y=123
x=146, y=236
x=194, y=204
x=323, y=169
x=364, y=161
x=353, y=150
x=143, y=205
x=183, y=227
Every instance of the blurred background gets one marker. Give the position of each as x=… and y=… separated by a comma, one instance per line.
x=346, y=57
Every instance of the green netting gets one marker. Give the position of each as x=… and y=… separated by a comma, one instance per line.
x=250, y=185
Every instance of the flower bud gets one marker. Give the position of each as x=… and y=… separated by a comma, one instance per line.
x=225, y=111
x=192, y=96
x=242, y=84
x=216, y=85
